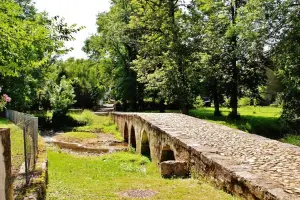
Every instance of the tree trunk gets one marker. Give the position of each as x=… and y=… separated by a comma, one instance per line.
x=184, y=110
x=217, y=104
x=234, y=87
x=162, y=106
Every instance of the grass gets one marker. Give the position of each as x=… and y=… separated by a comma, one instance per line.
x=77, y=136
x=257, y=120
x=95, y=123
x=292, y=139
x=91, y=177
x=17, y=144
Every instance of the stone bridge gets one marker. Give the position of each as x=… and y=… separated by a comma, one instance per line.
x=248, y=165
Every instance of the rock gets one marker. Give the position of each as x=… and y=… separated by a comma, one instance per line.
x=174, y=168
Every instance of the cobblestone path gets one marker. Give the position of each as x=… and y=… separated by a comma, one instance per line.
x=269, y=160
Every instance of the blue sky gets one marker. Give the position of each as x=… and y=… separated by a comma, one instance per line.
x=80, y=12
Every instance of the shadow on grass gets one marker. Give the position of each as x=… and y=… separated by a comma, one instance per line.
x=261, y=125
x=65, y=123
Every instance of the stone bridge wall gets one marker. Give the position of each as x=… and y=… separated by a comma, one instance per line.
x=5, y=165
x=148, y=134
x=131, y=125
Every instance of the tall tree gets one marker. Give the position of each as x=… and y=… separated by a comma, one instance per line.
x=164, y=61
x=116, y=43
x=236, y=43
x=284, y=42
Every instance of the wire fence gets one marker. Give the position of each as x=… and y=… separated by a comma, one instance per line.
x=29, y=125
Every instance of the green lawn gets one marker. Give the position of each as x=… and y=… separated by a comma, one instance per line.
x=95, y=123
x=258, y=120
x=17, y=144
x=100, y=178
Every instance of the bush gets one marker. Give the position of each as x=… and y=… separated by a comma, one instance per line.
x=61, y=98
x=198, y=102
x=245, y=101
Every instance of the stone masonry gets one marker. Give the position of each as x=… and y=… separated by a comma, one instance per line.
x=5, y=165
x=245, y=164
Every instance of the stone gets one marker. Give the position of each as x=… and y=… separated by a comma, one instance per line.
x=172, y=168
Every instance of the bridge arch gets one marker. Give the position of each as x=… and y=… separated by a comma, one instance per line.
x=125, y=133
x=145, y=145
x=132, y=137
x=167, y=154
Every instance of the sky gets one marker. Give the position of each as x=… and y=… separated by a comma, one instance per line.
x=80, y=12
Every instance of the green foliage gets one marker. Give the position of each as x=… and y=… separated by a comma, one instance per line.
x=234, y=62
x=61, y=97
x=87, y=78
x=245, y=101
x=115, y=47
x=165, y=58
x=29, y=43
x=198, y=102
x=287, y=57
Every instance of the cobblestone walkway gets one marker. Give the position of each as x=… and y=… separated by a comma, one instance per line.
x=270, y=160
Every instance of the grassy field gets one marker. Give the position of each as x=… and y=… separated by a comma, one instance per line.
x=100, y=178
x=17, y=144
x=258, y=120
x=95, y=123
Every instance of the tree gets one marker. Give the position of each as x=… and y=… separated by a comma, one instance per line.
x=235, y=42
x=164, y=61
x=115, y=46
x=284, y=31
x=28, y=43
x=86, y=77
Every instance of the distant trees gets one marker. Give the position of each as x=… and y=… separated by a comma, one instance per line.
x=87, y=80
x=171, y=51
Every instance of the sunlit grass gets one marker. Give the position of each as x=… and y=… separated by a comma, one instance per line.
x=95, y=123
x=257, y=120
x=101, y=178
x=17, y=144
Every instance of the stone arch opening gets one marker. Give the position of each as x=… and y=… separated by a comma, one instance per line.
x=125, y=133
x=132, y=137
x=167, y=154
x=145, y=147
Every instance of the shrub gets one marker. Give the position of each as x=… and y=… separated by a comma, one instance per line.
x=198, y=102
x=245, y=101
x=61, y=98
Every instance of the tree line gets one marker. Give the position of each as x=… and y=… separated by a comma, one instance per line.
x=176, y=50
x=166, y=51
